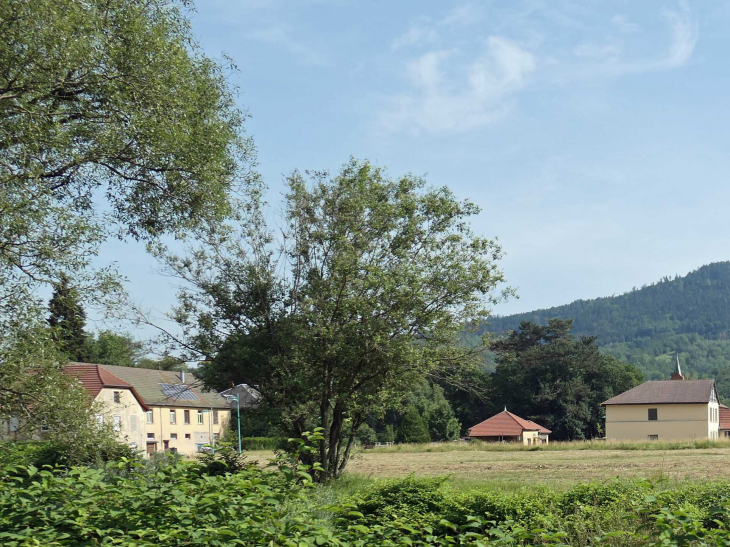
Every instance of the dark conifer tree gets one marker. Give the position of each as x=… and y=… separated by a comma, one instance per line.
x=68, y=319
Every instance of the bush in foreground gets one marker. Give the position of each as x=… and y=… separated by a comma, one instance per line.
x=177, y=502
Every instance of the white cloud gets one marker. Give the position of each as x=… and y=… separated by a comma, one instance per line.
x=466, y=14
x=593, y=51
x=624, y=25
x=447, y=96
x=685, y=33
x=417, y=34
x=427, y=31
x=282, y=37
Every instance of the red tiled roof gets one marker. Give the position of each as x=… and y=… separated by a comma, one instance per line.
x=724, y=417
x=95, y=377
x=505, y=423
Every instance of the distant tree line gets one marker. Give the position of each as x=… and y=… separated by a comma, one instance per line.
x=67, y=320
x=543, y=373
x=648, y=326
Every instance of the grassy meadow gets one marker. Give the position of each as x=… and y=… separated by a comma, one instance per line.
x=508, y=468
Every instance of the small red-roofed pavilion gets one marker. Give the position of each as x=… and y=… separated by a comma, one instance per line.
x=508, y=427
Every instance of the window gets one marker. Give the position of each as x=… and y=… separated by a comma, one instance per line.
x=100, y=420
x=173, y=417
x=186, y=416
x=150, y=417
x=13, y=424
x=215, y=417
x=653, y=414
x=727, y=434
x=200, y=416
x=187, y=435
x=653, y=437
x=151, y=436
x=117, y=422
x=117, y=396
x=173, y=435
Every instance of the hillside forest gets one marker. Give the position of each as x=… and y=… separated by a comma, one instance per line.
x=648, y=326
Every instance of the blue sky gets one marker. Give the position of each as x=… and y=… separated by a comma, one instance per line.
x=593, y=135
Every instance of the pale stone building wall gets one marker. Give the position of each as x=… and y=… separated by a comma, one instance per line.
x=126, y=415
x=185, y=438
x=674, y=422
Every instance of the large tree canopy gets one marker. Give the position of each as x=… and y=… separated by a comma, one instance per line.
x=110, y=119
x=112, y=123
x=547, y=375
x=375, y=280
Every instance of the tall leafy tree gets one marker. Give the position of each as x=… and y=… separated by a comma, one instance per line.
x=67, y=319
x=375, y=279
x=112, y=348
x=107, y=102
x=112, y=123
x=546, y=374
x=414, y=428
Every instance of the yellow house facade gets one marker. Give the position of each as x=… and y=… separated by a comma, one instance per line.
x=665, y=410
x=118, y=403
x=180, y=415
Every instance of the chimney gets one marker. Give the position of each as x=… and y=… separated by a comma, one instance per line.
x=182, y=376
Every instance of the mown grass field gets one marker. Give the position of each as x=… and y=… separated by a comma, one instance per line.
x=516, y=469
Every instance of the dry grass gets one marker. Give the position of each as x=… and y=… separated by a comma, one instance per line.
x=513, y=470
x=520, y=469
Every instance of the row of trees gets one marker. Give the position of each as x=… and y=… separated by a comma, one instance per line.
x=67, y=319
x=543, y=373
x=349, y=312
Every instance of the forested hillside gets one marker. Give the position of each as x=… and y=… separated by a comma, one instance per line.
x=645, y=327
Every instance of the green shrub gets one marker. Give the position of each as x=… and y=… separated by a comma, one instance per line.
x=366, y=435
x=21, y=453
x=410, y=496
x=262, y=443
x=224, y=459
x=414, y=428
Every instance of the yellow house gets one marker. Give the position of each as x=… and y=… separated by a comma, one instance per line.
x=121, y=406
x=665, y=410
x=180, y=415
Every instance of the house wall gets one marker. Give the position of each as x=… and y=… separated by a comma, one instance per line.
x=130, y=412
x=530, y=437
x=162, y=430
x=674, y=422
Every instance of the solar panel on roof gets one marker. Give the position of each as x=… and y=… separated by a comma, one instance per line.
x=178, y=391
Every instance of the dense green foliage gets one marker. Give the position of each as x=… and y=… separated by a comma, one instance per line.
x=423, y=414
x=377, y=277
x=112, y=122
x=414, y=428
x=225, y=500
x=645, y=327
x=546, y=374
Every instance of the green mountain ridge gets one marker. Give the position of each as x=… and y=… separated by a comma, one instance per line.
x=689, y=315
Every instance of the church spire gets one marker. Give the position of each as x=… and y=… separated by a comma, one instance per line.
x=677, y=371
